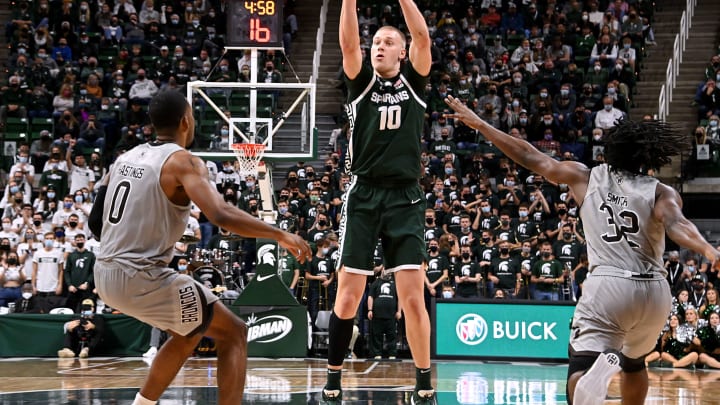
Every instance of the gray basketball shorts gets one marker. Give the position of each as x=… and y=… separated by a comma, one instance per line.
x=619, y=313
x=160, y=297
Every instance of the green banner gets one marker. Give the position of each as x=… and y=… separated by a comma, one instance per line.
x=276, y=331
x=41, y=335
x=502, y=330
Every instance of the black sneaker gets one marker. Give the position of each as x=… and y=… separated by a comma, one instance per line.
x=591, y=388
x=331, y=397
x=423, y=397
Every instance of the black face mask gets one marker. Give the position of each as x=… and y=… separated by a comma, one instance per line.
x=322, y=222
x=80, y=245
x=12, y=261
x=433, y=248
x=429, y=221
x=466, y=256
x=545, y=255
x=562, y=211
x=37, y=223
x=485, y=240
x=72, y=224
x=567, y=235
x=504, y=251
x=5, y=247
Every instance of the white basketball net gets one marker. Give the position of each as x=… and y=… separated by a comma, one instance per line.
x=248, y=156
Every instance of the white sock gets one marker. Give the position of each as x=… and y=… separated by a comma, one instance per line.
x=141, y=400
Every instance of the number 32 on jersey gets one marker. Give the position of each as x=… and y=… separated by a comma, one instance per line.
x=630, y=225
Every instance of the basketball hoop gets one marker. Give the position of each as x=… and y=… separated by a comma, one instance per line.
x=249, y=157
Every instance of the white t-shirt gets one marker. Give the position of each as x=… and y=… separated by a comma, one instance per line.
x=49, y=264
x=80, y=177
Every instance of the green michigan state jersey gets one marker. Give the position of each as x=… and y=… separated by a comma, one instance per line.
x=386, y=121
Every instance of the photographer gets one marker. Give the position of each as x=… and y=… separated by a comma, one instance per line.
x=83, y=335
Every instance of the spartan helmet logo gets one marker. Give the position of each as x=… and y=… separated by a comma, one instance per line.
x=429, y=234
x=224, y=244
x=503, y=267
x=465, y=270
x=522, y=228
x=487, y=254
x=433, y=264
x=266, y=255
x=322, y=267
x=504, y=236
x=545, y=268
x=566, y=250
x=318, y=236
x=464, y=241
x=455, y=219
x=385, y=289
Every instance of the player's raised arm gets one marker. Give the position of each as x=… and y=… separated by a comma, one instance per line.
x=349, y=33
x=574, y=174
x=668, y=209
x=421, y=43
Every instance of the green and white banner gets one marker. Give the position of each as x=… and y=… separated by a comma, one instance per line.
x=502, y=330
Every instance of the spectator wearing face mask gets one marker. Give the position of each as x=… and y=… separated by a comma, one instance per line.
x=14, y=100
x=47, y=275
x=78, y=277
x=223, y=73
x=468, y=275
x=84, y=334
x=143, y=89
x=608, y=117
x=319, y=274
x=547, y=274
x=12, y=277
x=54, y=176
x=28, y=302
x=437, y=272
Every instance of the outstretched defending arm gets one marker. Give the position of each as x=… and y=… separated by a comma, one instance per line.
x=574, y=174
x=668, y=209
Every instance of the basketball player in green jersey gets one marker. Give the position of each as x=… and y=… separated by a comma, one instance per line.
x=385, y=108
x=626, y=215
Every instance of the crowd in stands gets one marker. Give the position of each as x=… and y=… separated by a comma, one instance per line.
x=704, y=155
x=558, y=74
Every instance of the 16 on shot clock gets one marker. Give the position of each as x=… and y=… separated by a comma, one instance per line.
x=255, y=23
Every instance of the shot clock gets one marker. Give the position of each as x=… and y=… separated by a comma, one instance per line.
x=255, y=23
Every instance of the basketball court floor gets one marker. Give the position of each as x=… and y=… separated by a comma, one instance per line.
x=298, y=381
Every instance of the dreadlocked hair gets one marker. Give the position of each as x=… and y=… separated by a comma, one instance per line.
x=639, y=146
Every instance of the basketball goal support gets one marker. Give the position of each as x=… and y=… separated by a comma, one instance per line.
x=197, y=90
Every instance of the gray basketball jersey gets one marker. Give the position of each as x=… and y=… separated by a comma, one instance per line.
x=140, y=223
x=620, y=229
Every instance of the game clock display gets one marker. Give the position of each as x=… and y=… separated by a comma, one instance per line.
x=255, y=23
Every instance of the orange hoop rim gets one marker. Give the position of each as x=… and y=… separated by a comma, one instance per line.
x=250, y=149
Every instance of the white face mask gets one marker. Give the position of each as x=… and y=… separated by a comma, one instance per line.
x=447, y=294
x=27, y=295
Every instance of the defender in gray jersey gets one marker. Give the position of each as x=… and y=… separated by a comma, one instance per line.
x=626, y=215
x=139, y=216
